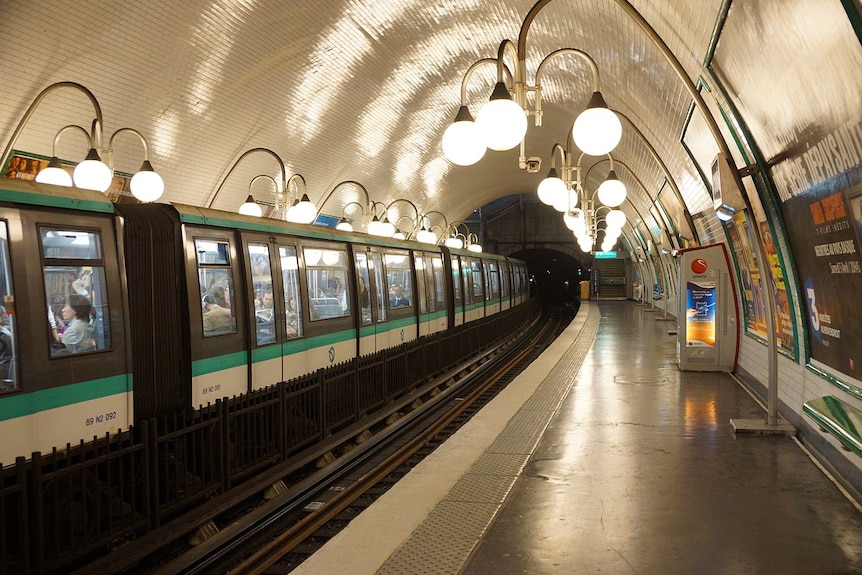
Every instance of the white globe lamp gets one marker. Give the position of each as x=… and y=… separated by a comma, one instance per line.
x=612, y=192
x=463, y=142
x=250, y=208
x=54, y=174
x=597, y=130
x=92, y=173
x=616, y=219
x=551, y=188
x=502, y=121
x=147, y=185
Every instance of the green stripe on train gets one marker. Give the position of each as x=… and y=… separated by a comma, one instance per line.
x=240, y=358
x=29, y=403
x=56, y=201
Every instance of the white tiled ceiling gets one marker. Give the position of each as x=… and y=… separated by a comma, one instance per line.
x=342, y=90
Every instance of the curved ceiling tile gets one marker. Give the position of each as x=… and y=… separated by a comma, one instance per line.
x=346, y=90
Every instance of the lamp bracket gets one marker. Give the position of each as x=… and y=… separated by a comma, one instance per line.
x=748, y=170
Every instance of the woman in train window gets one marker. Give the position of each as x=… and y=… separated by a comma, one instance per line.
x=78, y=335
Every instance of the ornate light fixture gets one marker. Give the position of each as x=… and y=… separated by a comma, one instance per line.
x=415, y=220
x=380, y=226
x=251, y=207
x=426, y=233
x=564, y=193
x=502, y=123
x=303, y=210
x=344, y=223
x=92, y=173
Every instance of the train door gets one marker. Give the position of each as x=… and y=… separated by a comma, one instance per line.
x=379, y=296
x=275, y=304
x=402, y=324
x=474, y=289
x=420, y=262
x=437, y=304
x=217, y=318
x=295, y=361
x=505, y=285
x=367, y=303
x=457, y=290
x=492, y=286
x=264, y=311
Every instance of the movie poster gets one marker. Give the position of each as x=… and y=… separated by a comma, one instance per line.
x=825, y=234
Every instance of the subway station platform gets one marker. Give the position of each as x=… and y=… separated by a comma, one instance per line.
x=602, y=457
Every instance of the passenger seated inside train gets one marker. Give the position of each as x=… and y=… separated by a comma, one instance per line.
x=265, y=310
x=398, y=299
x=292, y=319
x=216, y=319
x=265, y=319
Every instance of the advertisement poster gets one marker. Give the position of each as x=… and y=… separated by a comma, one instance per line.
x=700, y=314
x=783, y=321
x=739, y=231
x=824, y=229
x=24, y=166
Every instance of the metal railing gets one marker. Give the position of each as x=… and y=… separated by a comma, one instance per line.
x=74, y=504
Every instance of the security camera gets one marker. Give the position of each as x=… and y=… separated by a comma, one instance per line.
x=533, y=165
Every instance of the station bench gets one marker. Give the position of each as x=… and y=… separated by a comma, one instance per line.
x=838, y=418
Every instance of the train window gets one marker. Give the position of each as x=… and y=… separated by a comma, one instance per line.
x=421, y=296
x=8, y=334
x=504, y=281
x=76, y=291
x=264, y=303
x=290, y=286
x=399, y=278
x=380, y=287
x=216, y=287
x=326, y=272
x=493, y=280
x=363, y=283
x=456, y=277
x=439, y=296
x=478, y=287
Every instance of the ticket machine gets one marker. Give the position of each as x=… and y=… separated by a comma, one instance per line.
x=708, y=334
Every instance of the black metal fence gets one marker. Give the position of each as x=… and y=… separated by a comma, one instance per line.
x=76, y=503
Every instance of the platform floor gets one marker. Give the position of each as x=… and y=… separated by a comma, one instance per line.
x=604, y=458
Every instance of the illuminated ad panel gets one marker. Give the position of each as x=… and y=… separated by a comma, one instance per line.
x=700, y=314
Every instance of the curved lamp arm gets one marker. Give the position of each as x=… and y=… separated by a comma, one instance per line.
x=345, y=183
x=95, y=137
x=416, y=222
x=292, y=182
x=425, y=215
x=215, y=195
x=132, y=131
x=62, y=131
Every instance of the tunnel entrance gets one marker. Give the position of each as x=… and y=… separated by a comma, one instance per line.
x=554, y=276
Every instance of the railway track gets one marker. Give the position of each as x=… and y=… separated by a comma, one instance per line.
x=281, y=533
x=302, y=524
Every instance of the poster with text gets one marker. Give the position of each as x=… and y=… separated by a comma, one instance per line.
x=700, y=314
x=825, y=237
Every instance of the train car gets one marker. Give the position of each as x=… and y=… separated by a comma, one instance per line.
x=65, y=371
x=221, y=303
x=141, y=310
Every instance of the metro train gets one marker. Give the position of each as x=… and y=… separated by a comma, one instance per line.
x=113, y=313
